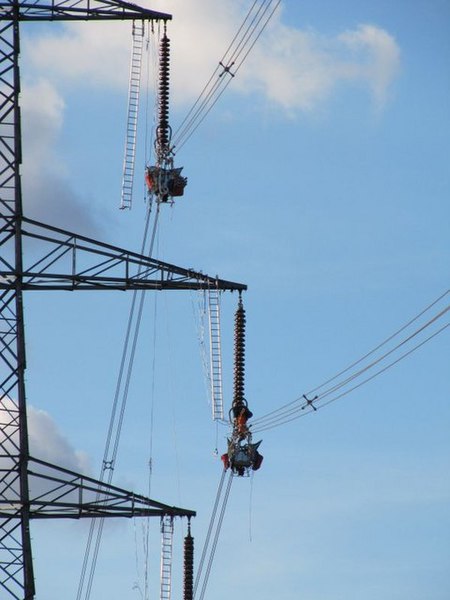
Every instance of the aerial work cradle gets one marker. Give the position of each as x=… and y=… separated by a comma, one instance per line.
x=165, y=183
x=163, y=179
x=242, y=454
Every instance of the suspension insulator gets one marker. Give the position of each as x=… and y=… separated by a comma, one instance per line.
x=188, y=566
x=239, y=354
x=163, y=129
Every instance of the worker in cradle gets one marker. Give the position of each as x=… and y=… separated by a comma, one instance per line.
x=241, y=414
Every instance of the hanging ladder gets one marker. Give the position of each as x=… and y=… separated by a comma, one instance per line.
x=215, y=354
x=133, y=111
x=166, y=556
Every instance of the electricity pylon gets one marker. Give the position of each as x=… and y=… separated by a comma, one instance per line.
x=31, y=488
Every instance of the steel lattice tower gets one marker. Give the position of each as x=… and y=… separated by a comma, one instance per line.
x=67, y=262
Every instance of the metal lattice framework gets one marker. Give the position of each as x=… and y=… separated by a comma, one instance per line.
x=63, y=260
x=30, y=488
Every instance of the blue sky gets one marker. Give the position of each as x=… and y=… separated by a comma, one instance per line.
x=320, y=179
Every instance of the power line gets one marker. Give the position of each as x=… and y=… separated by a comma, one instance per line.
x=283, y=421
x=244, y=40
x=381, y=358
x=299, y=407
x=381, y=344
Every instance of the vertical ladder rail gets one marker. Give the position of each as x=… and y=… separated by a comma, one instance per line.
x=215, y=354
x=133, y=111
x=166, y=557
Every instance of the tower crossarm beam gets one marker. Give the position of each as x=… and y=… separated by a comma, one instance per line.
x=81, y=10
x=57, y=493
x=55, y=259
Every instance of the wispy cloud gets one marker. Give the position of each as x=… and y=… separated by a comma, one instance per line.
x=377, y=58
x=88, y=53
x=300, y=70
x=46, y=441
x=296, y=69
x=47, y=194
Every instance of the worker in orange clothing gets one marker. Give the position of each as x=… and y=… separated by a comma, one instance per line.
x=241, y=422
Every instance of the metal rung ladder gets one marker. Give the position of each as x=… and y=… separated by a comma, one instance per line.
x=133, y=111
x=166, y=557
x=215, y=354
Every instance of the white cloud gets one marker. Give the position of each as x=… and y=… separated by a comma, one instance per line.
x=42, y=118
x=378, y=55
x=299, y=70
x=46, y=441
x=89, y=52
x=46, y=194
x=295, y=69
x=44, y=108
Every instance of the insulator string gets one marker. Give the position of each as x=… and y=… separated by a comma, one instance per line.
x=188, y=582
x=239, y=354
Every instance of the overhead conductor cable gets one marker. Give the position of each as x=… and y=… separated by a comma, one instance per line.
x=296, y=408
x=258, y=18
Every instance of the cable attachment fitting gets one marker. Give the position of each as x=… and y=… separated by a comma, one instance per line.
x=309, y=402
x=226, y=69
